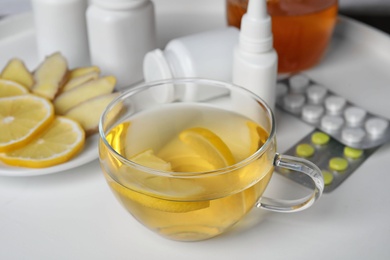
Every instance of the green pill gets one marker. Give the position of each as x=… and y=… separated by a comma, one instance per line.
x=352, y=152
x=320, y=138
x=304, y=150
x=328, y=177
x=338, y=164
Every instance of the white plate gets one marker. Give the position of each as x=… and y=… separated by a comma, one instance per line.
x=17, y=40
x=88, y=154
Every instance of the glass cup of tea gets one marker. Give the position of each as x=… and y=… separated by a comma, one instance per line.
x=301, y=29
x=189, y=158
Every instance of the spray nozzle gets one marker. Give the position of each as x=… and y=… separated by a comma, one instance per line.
x=257, y=9
x=256, y=34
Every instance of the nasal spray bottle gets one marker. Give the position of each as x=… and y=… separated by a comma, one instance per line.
x=255, y=60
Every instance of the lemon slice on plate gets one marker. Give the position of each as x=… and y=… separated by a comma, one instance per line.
x=62, y=139
x=10, y=88
x=22, y=118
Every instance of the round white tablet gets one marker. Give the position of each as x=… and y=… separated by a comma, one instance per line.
x=281, y=90
x=294, y=102
x=335, y=104
x=332, y=123
x=353, y=135
x=298, y=83
x=312, y=113
x=354, y=116
x=316, y=94
x=376, y=127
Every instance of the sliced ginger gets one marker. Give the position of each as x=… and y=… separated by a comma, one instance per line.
x=77, y=72
x=77, y=95
x=77, y=81
x=88, y=112
x=15, y=70
x=50, y=76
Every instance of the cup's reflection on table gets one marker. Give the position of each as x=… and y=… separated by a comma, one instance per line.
x=188, y=158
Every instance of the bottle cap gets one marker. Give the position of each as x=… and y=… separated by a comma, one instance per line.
x=256, y=34
x=155, y=66
x=119, y=4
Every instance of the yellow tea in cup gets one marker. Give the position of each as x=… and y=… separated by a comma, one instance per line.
x=191, y=166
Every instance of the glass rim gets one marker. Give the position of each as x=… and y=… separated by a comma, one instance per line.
x=147, y=85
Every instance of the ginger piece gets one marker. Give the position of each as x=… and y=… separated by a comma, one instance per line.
x=16, y=71
x=50, y=76
x=77, y=81
x=88, y=112
x=77, y=72
x=71, y=98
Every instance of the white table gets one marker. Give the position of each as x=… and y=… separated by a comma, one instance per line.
x=73, y=214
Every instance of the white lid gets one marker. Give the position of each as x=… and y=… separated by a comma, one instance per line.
x=119, y=4
x=155, y=66
x=256, y=34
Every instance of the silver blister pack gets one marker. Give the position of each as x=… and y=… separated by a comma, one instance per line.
x=336, y=160
x=335, y=115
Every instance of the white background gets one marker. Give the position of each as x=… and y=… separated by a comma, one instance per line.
x=359, y=6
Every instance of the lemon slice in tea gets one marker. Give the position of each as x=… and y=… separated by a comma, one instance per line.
x=148, y=159
x=258, y=136
x=183, y=158
x=146, y=199
x=208, y=145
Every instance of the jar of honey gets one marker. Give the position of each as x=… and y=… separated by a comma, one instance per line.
x=301, y=29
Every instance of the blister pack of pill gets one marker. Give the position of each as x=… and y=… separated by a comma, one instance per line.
x=336, y=160
x=335, y=115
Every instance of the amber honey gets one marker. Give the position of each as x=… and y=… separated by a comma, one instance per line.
x=302, y=29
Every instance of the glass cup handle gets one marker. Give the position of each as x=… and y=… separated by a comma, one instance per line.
x=298, y=165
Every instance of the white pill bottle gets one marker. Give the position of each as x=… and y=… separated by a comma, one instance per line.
x=206, y=55
x=203, y=55
x=60, y=25
x=120, y=33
